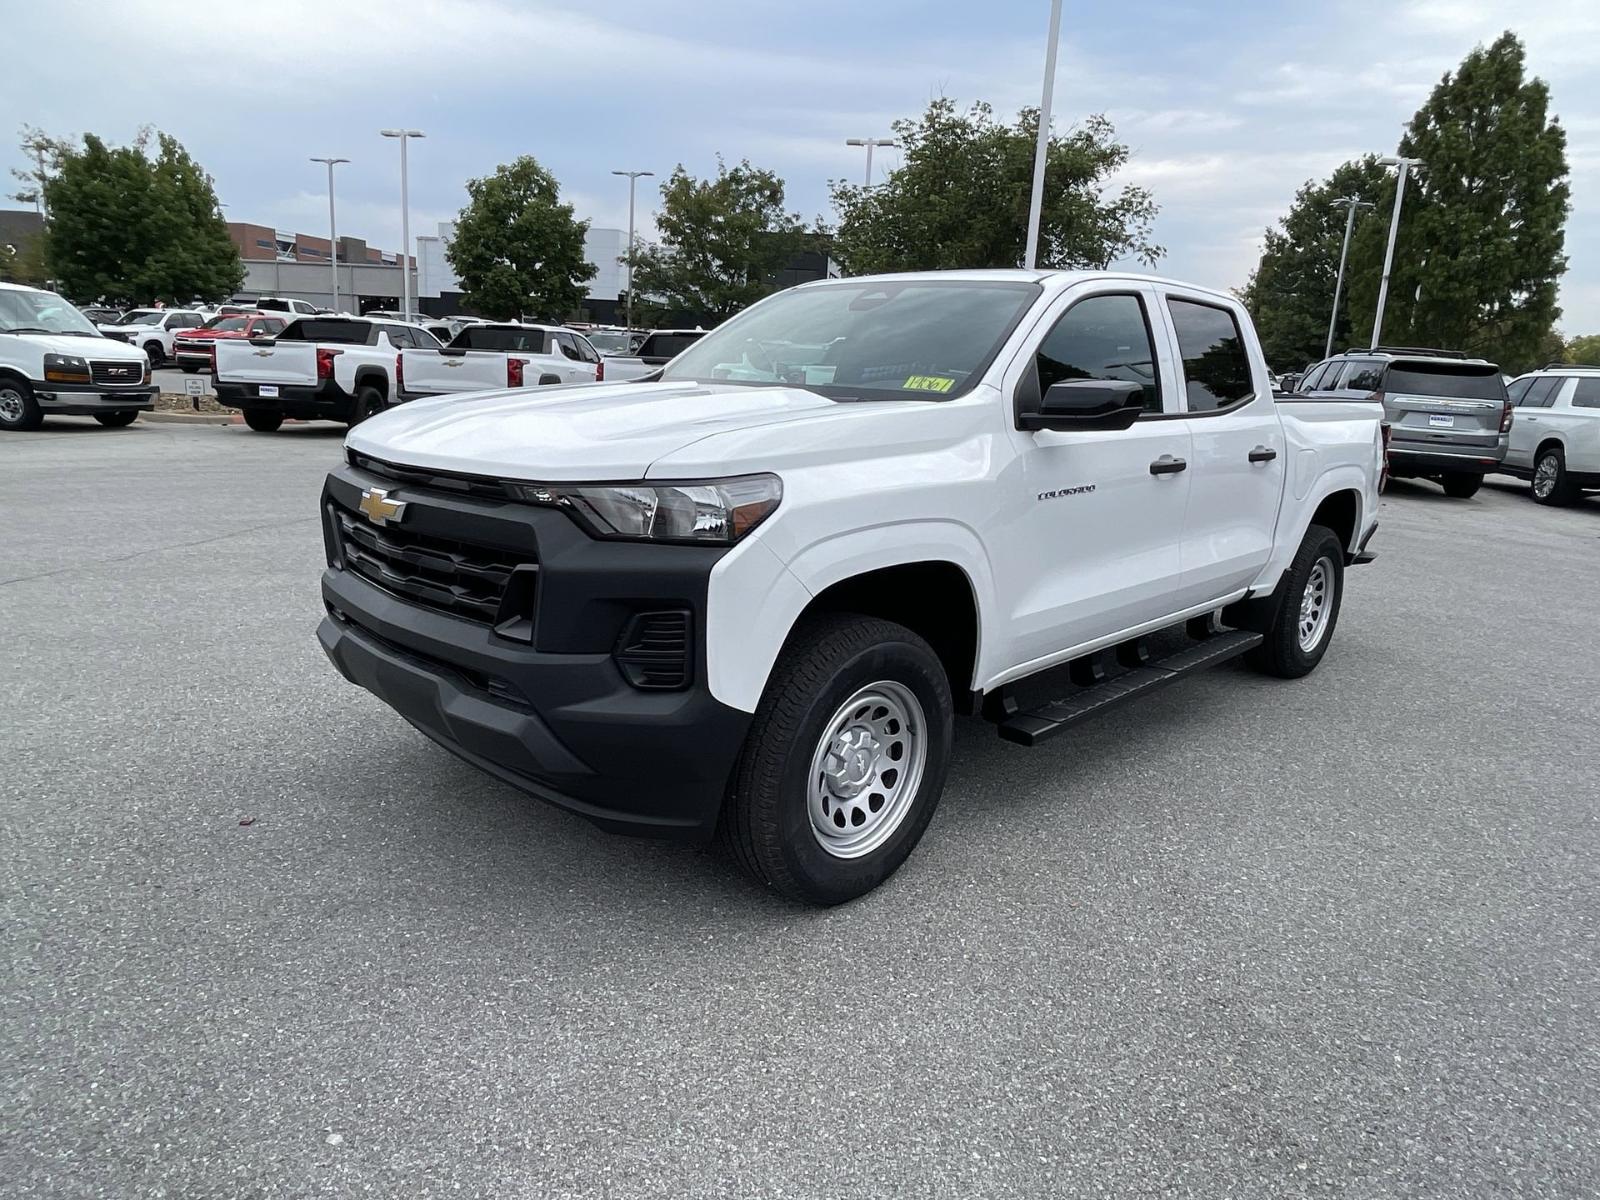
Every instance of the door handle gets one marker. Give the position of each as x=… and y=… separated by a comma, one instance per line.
x=1167, y=465
x=1530, y=418
x=1263, y=454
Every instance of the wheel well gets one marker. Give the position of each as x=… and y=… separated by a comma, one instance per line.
x=933, y=599
x=1338, y=512
x=6, y=373
x=374, y=378
x=1547, y=444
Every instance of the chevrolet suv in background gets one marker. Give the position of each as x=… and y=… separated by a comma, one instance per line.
x=1555, y=440
x=1449, y=417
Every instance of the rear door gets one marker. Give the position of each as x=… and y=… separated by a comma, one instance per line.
x=569, y=363
x=1237, y=467
x=1444, y=406
x=1525, y=395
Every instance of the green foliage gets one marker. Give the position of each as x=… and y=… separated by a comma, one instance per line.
x=960, y=198
x=1585, y=349
x=1290, y=293
x=1482, y=226
x=517, y=248
x=723, y=241
x=126, y=225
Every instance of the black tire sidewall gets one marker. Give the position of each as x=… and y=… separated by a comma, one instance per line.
x=261, y=421
x=1281, y=654
x=32, y=417
x=368, y=402
x=116, y=420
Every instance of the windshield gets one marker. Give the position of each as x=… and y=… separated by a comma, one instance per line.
x=144, y=316
x=227, y=324
x=610, y=343
x=1450, y=380
x=41, y=312
x=914, y=340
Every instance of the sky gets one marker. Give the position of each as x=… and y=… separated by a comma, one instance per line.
x=1228, y=107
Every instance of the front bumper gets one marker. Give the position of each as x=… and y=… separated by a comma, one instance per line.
x=87, y=399
x=1425, y=458
x=549, y=711
x=325, y=401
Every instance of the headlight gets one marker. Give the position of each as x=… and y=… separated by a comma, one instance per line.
x=717, y=511
x=65, y=368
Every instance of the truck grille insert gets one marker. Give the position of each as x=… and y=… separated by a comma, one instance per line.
x=116, y=372
x=464, y=579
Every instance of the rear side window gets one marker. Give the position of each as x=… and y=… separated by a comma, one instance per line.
x=485, y=337
x=1543, y=392
x=1587, y=394
x=342, y=333
x=1216, y=369
x=1362, y=375
x=1451, y=381
x=1102, y=337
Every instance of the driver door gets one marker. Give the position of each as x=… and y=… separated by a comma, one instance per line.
x=1091, y=536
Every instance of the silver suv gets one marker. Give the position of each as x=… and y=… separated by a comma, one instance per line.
x=1449, y=416
x=1555, y=440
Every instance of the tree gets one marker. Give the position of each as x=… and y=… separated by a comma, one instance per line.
x=723, y=241
x=1290, y=293
x=128, y=226
x=1585, y=349
x=960, y=198
x=1482, y=228
x=517, y=248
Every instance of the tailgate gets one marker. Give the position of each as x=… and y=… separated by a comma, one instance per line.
x=440, y=374
x=1453, y=403
x=281, y=362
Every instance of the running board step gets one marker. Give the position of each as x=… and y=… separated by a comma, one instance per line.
x=1034, y=726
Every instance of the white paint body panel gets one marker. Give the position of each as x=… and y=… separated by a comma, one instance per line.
x=877, y=484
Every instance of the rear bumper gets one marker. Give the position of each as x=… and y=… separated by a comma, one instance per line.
x=326, y=401
x=87, y=399
x=1431, y=458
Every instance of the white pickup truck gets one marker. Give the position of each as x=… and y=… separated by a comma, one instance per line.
x=494, y=356
x=334, y=368
x=656, y=350
x=757, y=606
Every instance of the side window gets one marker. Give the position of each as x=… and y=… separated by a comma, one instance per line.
x=1542, y=393
x=1312, y=379
x=400, y=337
x=1102, y=337
x=1587, y=394
x=1216, y=368
x=586, y=351
x=1362, y=375
x=272, y=325
x=569, y=348
x=1517, y=390
x=425, y=340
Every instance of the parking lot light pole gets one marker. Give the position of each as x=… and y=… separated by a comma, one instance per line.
x=333, y=229
x=1405, y=165
x=633, y=179
x=869, y=143
x=1352, y=203
x=404, y=135
x=1030, y=255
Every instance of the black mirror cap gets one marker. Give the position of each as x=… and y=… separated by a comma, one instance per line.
x=1087, y=404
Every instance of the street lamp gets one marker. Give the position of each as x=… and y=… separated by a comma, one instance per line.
x=404, y=135
x=869, y=143
x=633, y=179
x=333, y=234
x=1405, y=165
x=1352, y=203
x=1036, y=204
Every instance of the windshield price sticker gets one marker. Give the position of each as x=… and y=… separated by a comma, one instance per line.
x=928, y=383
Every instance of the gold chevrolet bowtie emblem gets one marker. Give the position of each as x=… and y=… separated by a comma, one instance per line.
x=379, y=509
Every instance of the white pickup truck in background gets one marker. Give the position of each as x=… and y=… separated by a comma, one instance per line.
x=507, y=354
x=333, y=368
x=751, y=597
x=659, y=347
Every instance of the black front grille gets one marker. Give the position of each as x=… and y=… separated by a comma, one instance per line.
x=116, y=372
x=653, y=651
x=463, y=578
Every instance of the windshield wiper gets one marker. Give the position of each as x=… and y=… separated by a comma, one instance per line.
x=25, y=329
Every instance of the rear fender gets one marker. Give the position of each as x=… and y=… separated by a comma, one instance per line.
x=1292, y=527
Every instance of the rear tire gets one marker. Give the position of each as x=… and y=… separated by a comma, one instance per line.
x=1550, y=482
x=1304, y=616
x=117, y=420
x=19, y=411
x=263, y=420
x=844, y=763
x=1462, y=487
x=368, y=402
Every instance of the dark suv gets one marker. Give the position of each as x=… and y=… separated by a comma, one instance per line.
x=1449, y=416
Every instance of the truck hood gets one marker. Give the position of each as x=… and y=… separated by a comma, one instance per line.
x=583, y=431
x=105, y=349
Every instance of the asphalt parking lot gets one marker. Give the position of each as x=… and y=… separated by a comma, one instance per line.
x=1335, y=937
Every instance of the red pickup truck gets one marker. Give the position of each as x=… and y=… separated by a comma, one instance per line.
x=196, y=349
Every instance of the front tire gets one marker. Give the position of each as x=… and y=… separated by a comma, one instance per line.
x=263, y=420
x=1302, y=623
x=844, y=763
x=189, y=368
x=1550, y=482
x=19, y=411
x=1462, y=487
x=117, y=420
x=155, y=353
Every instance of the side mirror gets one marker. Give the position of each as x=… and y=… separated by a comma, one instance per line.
x=1087, y=404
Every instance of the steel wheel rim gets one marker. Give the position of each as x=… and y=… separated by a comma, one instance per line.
x=1316, y=604
x=10, y=405
x=1544, y=479
x=866, y=769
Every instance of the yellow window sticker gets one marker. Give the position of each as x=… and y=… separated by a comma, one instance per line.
x=928, y=383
